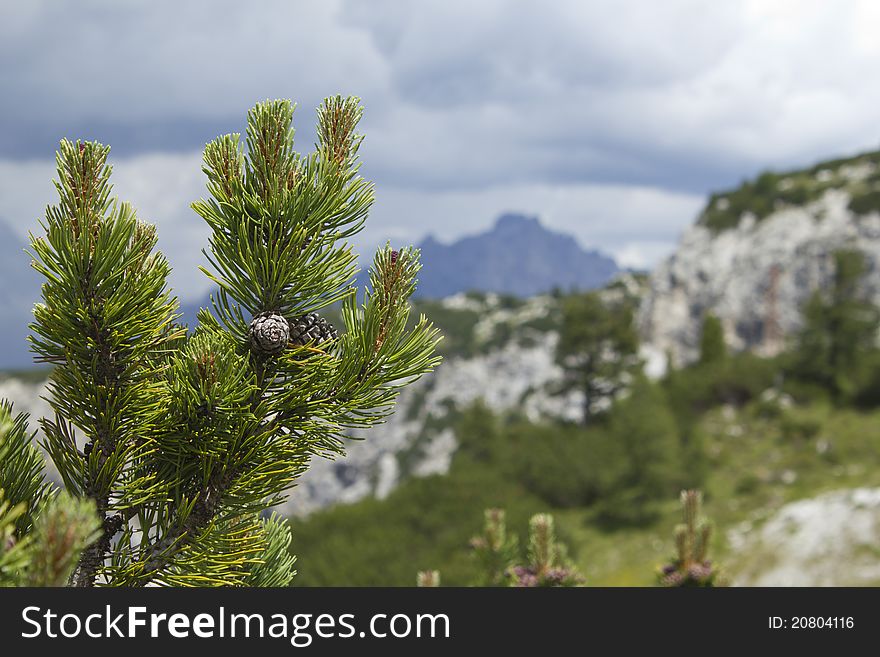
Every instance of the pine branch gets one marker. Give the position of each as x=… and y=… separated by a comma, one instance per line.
x=60, y=535
x=691, y=566
x=105, y=313
x=22, y=477
x=274, y=566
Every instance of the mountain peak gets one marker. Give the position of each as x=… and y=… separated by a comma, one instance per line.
x=515, y=220
x=516, y=256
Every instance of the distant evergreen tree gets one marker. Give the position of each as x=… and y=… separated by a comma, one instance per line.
x=644, y=428
x=713, y=348
x=479, y=434
x=598, y=347
x=172, y=445
x=837, y=346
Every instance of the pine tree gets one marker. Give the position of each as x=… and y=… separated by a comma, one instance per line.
x=42, y=531
x=547, y=564
x=649, y=468
x=597, y=349
x=712, y=346
x=837, y=346
x=176, y=442
x=497, y=555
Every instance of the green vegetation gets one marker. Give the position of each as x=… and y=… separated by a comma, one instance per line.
x=649, y=464
x=691, y=565
x=495, y=550
x=752, y=433
x=489, y=321
x=598, y=347
x=171, y=445
x=456, y=326
x=712, y=345
x=837, y=348
x=753, y=461
x=545, y=563
x=772, y=191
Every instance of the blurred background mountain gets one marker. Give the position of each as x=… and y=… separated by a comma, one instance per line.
x=517, y=256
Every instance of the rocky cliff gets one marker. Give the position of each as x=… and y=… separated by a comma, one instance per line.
x=757, y=253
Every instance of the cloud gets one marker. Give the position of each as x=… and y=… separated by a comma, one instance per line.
x=610, y=120
x=682, y=94
x=165, y=64
x=679, y=94
x=162, y=187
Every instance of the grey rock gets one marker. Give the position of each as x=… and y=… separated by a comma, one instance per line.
x=731, y=274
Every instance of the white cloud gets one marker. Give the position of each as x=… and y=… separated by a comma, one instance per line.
x=683, y=93
x=673, y=93
x=25, y=190
x=162, y=187
x=153, y=58
x=639, y=224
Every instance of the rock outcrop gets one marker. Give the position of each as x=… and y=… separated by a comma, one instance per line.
x=756, y=272
x=828, y=540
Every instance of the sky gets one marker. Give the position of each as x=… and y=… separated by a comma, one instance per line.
x=611, y=121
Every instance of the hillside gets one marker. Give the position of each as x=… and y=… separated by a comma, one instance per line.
x=757, y=253
x=496, y=348
x=492, y=427
x=774, y=467
x=794, y=494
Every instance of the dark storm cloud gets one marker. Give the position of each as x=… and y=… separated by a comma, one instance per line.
x=28, y=139
x=611, y=120
x=680, y=94
x=165, y=75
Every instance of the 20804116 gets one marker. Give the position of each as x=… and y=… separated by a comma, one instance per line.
x=811, y=623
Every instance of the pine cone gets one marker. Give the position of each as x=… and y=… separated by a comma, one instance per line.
x=312, y=328
x=269, y=333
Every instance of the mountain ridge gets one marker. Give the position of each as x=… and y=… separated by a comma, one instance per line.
x=517, y=256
